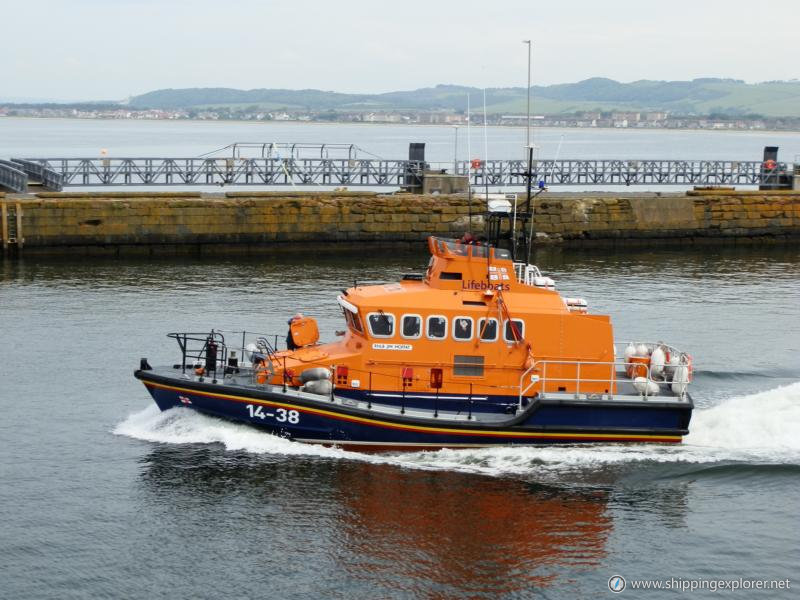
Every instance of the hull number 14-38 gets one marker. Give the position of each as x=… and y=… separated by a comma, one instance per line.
x=281, y=414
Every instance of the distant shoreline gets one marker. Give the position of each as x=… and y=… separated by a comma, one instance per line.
x=387, y=124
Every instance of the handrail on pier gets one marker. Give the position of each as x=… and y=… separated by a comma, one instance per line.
x=291, y=170
x=12, y=177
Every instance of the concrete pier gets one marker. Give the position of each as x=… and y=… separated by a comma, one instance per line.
x=259, y=222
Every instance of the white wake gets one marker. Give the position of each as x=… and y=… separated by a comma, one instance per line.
x=758, y=428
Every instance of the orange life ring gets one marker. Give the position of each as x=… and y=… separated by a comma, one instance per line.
x=770, y=165
x=476, y=163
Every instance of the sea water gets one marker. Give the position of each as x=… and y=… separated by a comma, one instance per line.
x=103, y=496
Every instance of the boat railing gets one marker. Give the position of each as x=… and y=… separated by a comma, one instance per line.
x=444, y=247
x=266, y=343
x=210, y=350
x=205, y=348
x=528, y=274
x=619, y=347
x=538, y=374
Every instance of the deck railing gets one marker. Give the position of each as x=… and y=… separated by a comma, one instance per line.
x=617, y=371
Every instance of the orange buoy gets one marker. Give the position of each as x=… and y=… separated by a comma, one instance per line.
x=770, y=165
x=638, y=366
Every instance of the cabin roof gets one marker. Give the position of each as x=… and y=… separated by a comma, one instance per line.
x=420, y=297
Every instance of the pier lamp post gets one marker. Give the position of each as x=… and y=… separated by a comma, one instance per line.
x=455, y=150
x=528, y=119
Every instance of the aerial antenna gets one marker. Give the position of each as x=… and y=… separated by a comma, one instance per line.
x=542, y=188
x=485, y=147
x=528, y=121
x=469, y=170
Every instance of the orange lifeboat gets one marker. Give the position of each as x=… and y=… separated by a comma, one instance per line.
x=479, y=350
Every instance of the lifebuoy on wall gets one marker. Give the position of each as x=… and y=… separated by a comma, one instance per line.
x=770, y=165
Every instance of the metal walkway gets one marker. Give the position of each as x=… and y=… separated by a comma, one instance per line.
x=12, y=177
x=56, y=173
x=15, y=174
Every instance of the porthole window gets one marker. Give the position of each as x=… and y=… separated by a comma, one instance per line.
x=437, y=327
x=412, y=327
x=514, y=330
x=487, y=330
x=381, y=324
x=462, y=328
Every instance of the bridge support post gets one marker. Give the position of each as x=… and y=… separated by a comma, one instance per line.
x=4, y=218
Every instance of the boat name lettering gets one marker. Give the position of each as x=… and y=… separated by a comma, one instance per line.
x=483, y=285
x=392, y=347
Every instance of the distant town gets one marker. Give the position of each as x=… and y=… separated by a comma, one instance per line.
x=589, y=119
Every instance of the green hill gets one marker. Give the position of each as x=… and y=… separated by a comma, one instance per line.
x=697, y=97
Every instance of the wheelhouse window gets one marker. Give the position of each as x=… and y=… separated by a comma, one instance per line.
x=354, y=321
x=514, y=330
x=437, y=327
x=462, y=328
x=381, y=324
x=487, y=330
x=480, y=251
x=412, y=327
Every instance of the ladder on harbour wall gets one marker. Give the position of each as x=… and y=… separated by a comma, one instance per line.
x=11, y=216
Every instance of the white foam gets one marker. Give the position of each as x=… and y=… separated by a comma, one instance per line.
x=758, y=428
x=764, y=423
x=186, y=426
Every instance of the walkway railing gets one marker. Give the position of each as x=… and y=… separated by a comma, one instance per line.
x=39, y=172
x=12, y=177
x=374, y=172
x=234, y=171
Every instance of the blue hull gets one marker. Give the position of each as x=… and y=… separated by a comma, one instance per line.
x=541, y=422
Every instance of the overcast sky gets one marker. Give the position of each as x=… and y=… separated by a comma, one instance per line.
x=112, y=49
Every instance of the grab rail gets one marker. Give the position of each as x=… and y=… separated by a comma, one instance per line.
x=577, y=380
x=615, y=367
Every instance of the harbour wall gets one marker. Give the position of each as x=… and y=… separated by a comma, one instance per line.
x=189, y=222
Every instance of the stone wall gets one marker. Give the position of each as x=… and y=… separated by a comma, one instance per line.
x=153, y=222
x=695, y=216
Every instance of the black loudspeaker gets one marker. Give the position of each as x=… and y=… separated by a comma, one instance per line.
x=416, y=157
x=416, y=151
x=771, y=179
x=771, y=153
